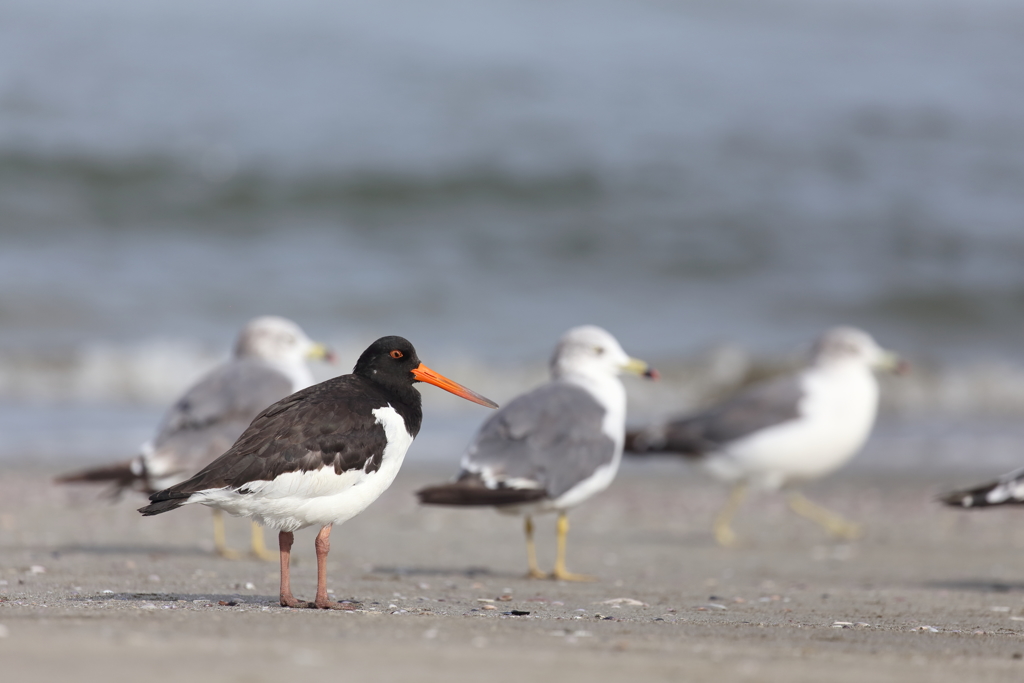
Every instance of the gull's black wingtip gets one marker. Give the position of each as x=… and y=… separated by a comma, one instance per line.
x=472, y=493
x=960, y=499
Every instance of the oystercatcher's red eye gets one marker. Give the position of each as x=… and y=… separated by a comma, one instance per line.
x=396, y=354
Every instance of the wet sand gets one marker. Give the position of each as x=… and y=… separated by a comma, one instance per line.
x=92, y=591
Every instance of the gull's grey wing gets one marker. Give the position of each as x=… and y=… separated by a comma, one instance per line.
x=762, y=406
x=550, y=439
x=211, y=415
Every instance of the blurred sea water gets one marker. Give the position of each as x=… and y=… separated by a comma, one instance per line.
x=714, y=182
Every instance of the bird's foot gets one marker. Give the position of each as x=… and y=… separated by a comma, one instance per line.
x=257, y=546
x=834, y=524
x=563, y=574
x=229, y=554
x=331, y=604
x=291, y=601
x=535, y=573
x=262, y=554
x=846, y=531
x=726, y=537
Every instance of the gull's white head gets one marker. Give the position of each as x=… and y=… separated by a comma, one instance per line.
x=851, y=345
x=592, y=351
x=278, y=340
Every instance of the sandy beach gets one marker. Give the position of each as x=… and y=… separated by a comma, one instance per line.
x=714, y=183
x=92, y=591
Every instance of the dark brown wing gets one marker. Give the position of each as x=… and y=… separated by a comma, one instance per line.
x=327, y=425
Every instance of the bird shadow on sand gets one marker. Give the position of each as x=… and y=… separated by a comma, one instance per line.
x=680, y=539
x=977, y=585
x=115, y=549
x=175, y=600
x=464, y=572
x=225, y=599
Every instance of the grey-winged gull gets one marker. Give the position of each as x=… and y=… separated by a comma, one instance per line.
x=320, y=456
x=787, y=430
x=551, y=448
x=268, y=363
x=1007, y=490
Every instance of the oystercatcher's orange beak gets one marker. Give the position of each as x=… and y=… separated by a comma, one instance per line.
x=425, y=374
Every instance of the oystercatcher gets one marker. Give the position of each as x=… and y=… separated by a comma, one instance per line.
x=268, y=363
x=554, y=447
x=785, y=431
x=320, y=456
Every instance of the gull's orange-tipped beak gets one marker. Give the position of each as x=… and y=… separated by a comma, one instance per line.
x=425, y=374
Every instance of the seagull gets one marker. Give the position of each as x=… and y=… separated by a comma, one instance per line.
x=551, y=448
x=320, y=456
x=1007, y=490
x=268, y=363
x=788, y=430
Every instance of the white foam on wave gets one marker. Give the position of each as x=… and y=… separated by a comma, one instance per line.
x=100, y=402
x=155, y=372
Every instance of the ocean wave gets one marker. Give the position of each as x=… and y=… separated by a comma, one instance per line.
x=111, y=191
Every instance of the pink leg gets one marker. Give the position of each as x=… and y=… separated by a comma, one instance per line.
x=285, y=540
x=323, y=546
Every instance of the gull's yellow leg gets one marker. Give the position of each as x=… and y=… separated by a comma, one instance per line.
x=561, y=573
x=723, y=520
x=258, y=548
x=531, y=552
x=830, y=521
x=219, y=541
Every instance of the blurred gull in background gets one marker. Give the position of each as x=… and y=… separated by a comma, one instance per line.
x=552, y=448
x=268, y=363
x=785, y=431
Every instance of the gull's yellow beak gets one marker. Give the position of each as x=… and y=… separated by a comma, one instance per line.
x=321, y=352
x=890, y=361
x=639, y=367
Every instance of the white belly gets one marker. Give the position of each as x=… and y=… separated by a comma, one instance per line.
x=316, y=498
x=836, y=419
x=600, y=480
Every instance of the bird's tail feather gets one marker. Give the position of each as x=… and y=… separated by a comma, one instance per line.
x=159, y=506
x=122, y=475
x=676, y=438
x=121, y=472
x=471, y=490
x=642, y=442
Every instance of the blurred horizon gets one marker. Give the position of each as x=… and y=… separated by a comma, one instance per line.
x=693, y=176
